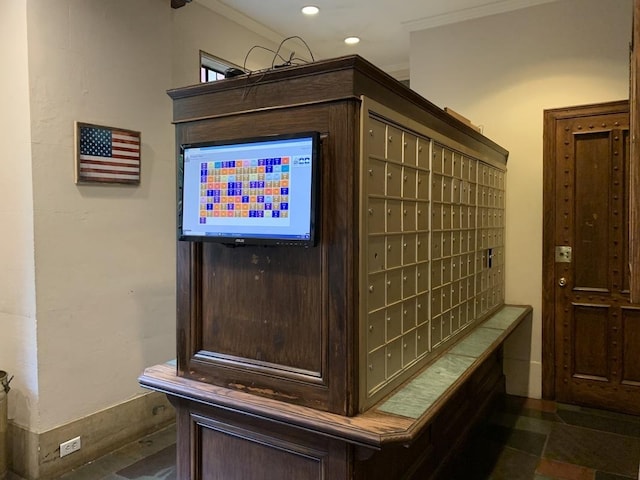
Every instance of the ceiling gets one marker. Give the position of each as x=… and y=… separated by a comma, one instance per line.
x=384, y=26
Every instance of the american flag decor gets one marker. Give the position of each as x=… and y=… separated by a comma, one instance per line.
x=107, y=155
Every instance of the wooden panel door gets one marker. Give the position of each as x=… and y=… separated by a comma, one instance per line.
x=594, y=327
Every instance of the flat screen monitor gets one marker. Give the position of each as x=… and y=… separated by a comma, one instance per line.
x=250, y=191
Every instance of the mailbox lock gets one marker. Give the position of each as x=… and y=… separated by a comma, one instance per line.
x=563, y=254
x=562, y=282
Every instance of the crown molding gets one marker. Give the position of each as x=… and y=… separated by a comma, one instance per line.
x=500, y=6
x=399, y=71
x=241, y=19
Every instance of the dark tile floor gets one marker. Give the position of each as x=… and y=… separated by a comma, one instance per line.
x=151, y=458
x=523, y=440
x=538, y=440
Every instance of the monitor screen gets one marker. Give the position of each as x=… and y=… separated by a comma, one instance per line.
x=250, y=191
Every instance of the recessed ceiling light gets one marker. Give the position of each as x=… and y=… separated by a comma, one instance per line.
x=310, y=10
x=352, y=40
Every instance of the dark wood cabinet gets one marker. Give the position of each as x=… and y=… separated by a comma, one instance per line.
x=286, y=354
x=276, y=321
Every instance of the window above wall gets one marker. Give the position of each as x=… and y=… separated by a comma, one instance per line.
x=212, y=68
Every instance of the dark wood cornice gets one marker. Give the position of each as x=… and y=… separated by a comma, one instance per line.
x=345, y=77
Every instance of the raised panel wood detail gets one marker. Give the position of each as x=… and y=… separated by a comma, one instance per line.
x=593, y=179
x=631, y=346
x=234, y=455
x=254, y=323
x=590, y=342
x=219, y=444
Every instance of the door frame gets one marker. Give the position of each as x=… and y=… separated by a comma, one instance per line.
x=551, y=117
x=634, y=168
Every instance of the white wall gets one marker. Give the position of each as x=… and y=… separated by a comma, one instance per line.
x=105, y=261
x=18, y=354
x=103, y=276
x=502, y=72
x=196, y=28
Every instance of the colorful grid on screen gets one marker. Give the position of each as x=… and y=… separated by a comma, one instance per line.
x=257, y=188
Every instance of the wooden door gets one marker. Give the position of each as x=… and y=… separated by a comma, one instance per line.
x=591, y=331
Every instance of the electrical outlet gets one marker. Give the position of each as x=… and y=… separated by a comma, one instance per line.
x=70, y=446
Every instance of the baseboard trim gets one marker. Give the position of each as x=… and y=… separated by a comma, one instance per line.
x=37, y=456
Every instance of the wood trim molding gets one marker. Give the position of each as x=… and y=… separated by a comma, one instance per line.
x=548, y=245
x=374, y=428
x=338, y=83
x=634, y=187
